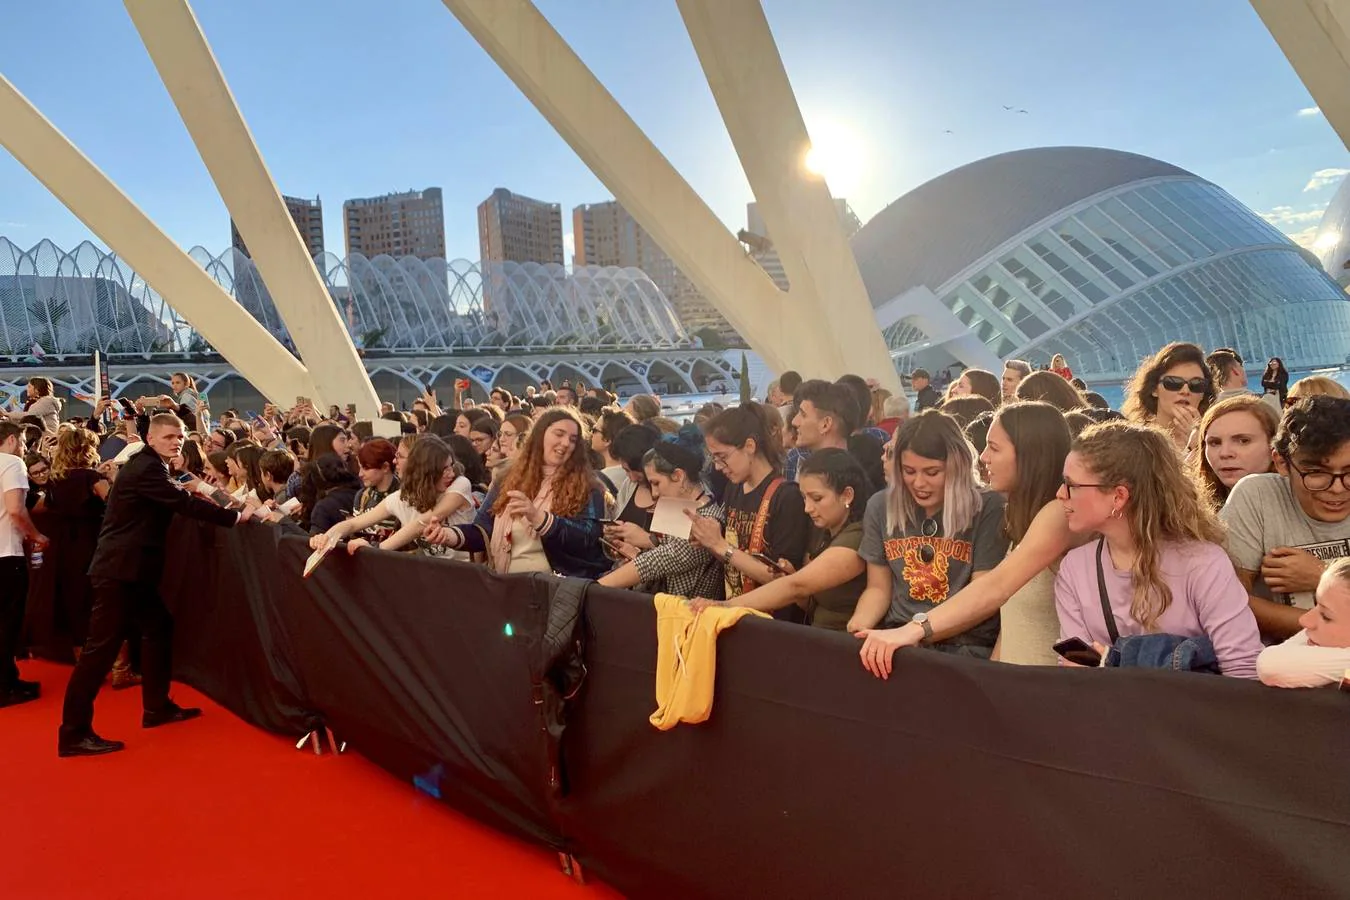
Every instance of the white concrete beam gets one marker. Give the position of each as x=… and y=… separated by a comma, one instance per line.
x=1315, y=36
x=110, y=214
x=522, y=42
x=189, y=70
x=751, y=87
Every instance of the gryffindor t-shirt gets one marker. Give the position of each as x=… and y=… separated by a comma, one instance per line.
x=926, y=570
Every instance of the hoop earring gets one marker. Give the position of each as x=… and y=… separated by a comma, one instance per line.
x=1115, y=513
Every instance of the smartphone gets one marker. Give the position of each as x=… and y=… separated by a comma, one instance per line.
x=351, y=409
x=183, y=477
x=253, y=416
x=127, y=405
x=614, y=549
x=1076, y=650
x=608, y=521
x=760, y=557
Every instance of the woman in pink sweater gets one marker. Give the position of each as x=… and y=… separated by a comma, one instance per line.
x=1160, y=549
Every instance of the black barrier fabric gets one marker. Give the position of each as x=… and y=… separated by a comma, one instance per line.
x=956, y=778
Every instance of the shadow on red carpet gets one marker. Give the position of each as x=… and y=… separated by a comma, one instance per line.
x=215, y=808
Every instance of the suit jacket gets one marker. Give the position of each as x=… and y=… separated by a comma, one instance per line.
x=141, y=507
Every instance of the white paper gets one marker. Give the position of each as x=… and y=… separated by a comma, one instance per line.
x=385, y=428
x=669, y=518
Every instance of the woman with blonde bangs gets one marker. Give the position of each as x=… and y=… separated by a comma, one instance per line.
x=930, y=534
x=1024, y=457
x=545, y=513
x=1171, y=390
x=1159, y=552
x=1235, y=437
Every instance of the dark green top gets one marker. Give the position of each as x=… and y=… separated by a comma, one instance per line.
x=834, y=607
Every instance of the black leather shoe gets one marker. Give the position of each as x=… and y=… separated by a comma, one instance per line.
x=168, y=715
x=15, y=697
x=27, y=687
x=89, y=745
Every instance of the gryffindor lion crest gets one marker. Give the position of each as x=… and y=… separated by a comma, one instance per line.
x=927, y=581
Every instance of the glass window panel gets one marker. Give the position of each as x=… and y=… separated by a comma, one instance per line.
x=1151, y=237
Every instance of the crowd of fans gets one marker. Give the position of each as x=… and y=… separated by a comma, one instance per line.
x=1013, y=516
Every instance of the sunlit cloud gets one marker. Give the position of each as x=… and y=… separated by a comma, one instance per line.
x=1323, y=178
x=1307, y=238
x=1309, y=111
x=1282, y=216
x=13, y=224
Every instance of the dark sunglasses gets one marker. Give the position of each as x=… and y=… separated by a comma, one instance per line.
x=1175, y=383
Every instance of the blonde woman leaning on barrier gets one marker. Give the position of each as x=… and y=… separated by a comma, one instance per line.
x=1319, y=655
x=1024, y=454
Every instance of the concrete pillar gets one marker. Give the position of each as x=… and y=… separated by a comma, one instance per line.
x=786, y=330
x=1315, y=36
x=111, y=215
x=189, y=70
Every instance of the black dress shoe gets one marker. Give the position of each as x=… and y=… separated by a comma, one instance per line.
x=27, y=687
x=89, y=745
x=168, y=715
x=15, y=697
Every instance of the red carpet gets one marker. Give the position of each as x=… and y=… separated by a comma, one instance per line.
x=216, y=808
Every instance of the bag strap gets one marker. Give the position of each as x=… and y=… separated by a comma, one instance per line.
x=757, y=542
x=1106, y=599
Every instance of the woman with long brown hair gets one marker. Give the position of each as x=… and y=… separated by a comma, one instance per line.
x=1024, y=457
x=72, y=511
x=1159, y=559
x=1171, y=390
x=1048, y=387
x=544, y=514
x=1235, y=439
x=979, y=383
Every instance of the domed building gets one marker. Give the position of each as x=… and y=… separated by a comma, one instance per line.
x=1100, y=255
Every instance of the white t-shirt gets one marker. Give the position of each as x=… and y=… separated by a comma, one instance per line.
x=1262, y=513
x=13, y=477
x=403, y=511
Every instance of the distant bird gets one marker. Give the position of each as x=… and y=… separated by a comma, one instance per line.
x=1008, y=108
x=949, y=131
x=1022, y=112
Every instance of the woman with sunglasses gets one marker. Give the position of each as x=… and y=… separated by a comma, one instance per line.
x=927, y=536
x=766, y=518
x=1171, y=390
x=1159, y=556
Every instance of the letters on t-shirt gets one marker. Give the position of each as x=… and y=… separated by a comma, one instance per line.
x=928, y=581
x=1326, y=551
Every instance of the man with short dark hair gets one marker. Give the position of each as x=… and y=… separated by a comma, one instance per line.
x=1285, y=527
x=927, y=395
x=1014, y=370
x=826, y=415
x=1225, y=367
x=788, y=383
x=15, y=527
x=125, y=573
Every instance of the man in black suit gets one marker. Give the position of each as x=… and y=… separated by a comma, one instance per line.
x=125, y=573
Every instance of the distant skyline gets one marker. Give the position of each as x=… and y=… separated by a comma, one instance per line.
x=894, y=93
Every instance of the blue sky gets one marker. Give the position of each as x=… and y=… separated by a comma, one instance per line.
x=351, y=98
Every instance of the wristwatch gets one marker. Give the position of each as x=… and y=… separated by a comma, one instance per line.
x=922, y=621
x=727, y=554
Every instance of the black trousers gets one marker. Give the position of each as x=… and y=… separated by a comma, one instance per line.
x=121, y=608
x=13, y=598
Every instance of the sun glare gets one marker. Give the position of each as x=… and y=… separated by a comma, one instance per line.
x=1326, y=240
x=836, y=155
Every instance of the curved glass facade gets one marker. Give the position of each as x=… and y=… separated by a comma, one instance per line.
x=1126, y=271
x=86, y=299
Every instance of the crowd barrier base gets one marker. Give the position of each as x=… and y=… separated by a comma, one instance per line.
x=955, y=778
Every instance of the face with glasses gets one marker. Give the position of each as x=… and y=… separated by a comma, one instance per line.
x=38, y=473
x=1322, y=487
x=508, y=440
x=733, y=462
x=1183, y=385
x=1087, y=502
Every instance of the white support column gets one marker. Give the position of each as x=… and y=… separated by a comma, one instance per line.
x=110, y=214
x=522, y=42
x=1315, y=36
x=751, y=87
x=189, y=70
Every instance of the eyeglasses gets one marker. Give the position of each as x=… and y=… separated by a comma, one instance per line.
x=720, y=459
x=1175, y=383
x=37, y=471
x=1070, y=487
x=1317, y=482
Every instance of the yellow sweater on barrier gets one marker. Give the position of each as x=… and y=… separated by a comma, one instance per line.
x=686, y=658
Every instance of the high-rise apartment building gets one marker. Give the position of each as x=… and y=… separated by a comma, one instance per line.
x=606, y=235
x=768, y=257
x=308, y=216
x=514, y=228
x=407, y=224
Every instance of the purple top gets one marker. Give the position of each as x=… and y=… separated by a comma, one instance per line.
x=1207, y=599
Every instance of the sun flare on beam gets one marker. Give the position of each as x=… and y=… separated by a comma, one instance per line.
x=837, y=155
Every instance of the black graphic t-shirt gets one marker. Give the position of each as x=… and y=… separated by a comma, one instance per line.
x=927, y=568
x=786, y=531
